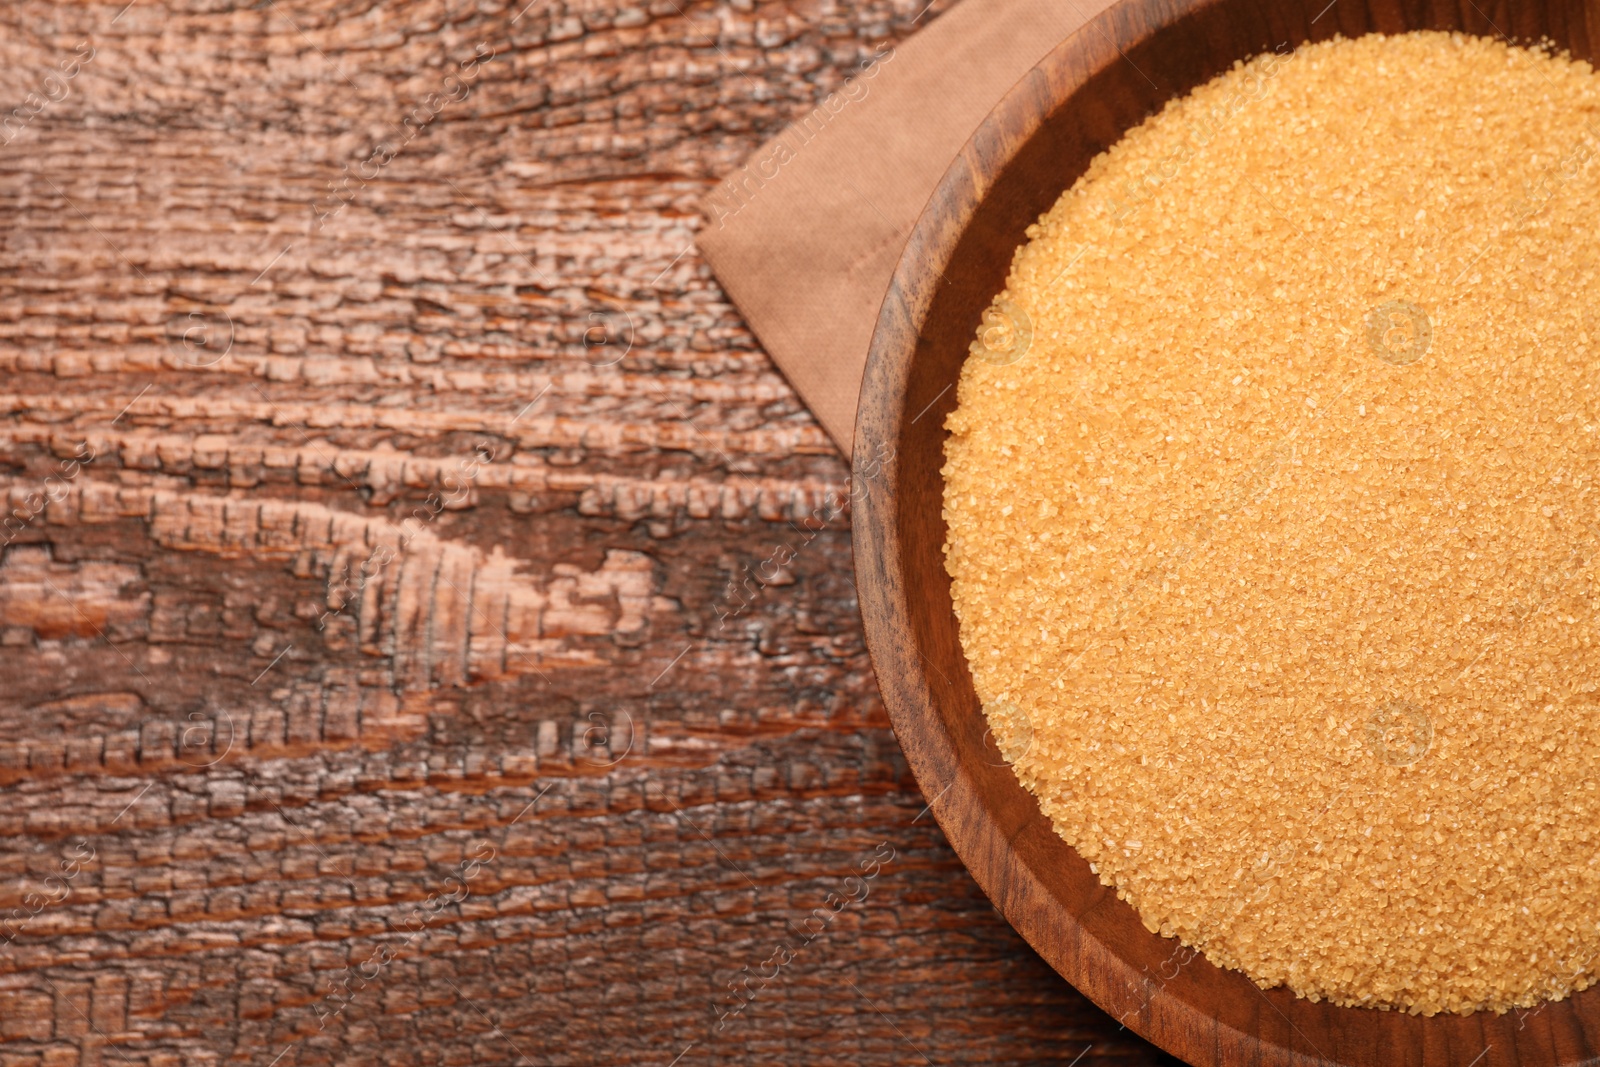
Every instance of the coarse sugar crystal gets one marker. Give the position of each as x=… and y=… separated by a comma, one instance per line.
x=1272, y=523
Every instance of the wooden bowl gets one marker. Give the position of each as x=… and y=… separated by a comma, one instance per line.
x=1078, y=101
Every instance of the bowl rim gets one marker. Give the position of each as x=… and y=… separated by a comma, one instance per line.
x=956, y=801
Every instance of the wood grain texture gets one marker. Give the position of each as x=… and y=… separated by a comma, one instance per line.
x=426, y=625
x=1075, y=104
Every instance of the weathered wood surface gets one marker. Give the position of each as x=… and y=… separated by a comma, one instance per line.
x=426, y=623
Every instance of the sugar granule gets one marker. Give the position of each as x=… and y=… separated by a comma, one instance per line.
x=1271, y=511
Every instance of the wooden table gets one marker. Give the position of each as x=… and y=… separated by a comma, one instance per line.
x=427, y=620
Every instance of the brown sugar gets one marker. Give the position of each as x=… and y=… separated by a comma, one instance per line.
x=1274, y=527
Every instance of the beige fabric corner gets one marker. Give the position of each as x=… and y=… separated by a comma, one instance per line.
x=805, y=235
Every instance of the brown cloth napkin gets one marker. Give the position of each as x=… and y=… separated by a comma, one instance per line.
x=806, y=234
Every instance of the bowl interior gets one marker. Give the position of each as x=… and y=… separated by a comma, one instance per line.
x=1097, y=84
